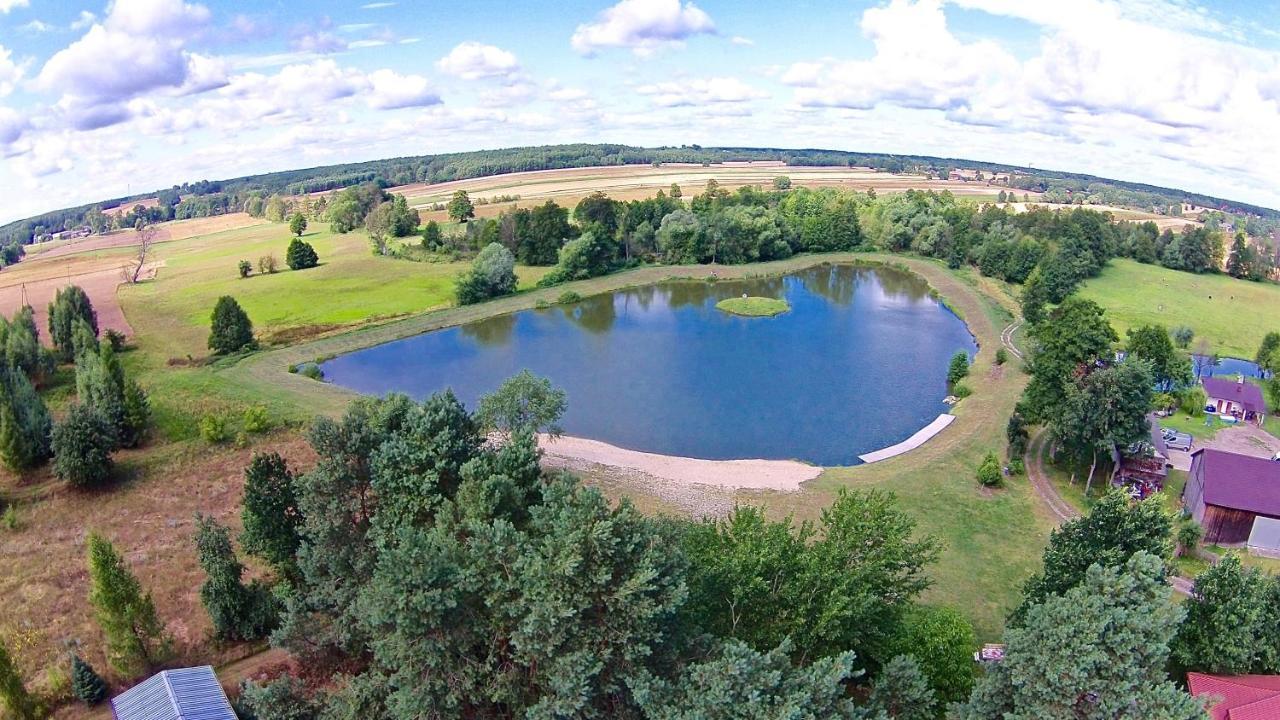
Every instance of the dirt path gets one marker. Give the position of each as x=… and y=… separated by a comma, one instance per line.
x=1006, y=338
x=1062, y=509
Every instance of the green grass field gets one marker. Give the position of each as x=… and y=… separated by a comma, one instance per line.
x=1231, y=314
x=753, y=306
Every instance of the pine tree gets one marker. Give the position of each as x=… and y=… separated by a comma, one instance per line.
x=300, y=255
x=99, y=386
x=83, y=338
x=238, y=611
x=959, y=367
x=136, y=640
x=270, y=513
x=230, y=328
x=70, y=303
x=137, y=414
x=13, y=692
x=902, y=691
x=25, y=427
x=86, y=684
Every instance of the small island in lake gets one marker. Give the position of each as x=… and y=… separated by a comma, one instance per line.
x=753, y=306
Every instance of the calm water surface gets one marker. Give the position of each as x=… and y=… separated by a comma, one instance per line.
x=858, y=363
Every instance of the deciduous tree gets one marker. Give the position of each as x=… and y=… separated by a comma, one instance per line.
x=18, y=703
x=492, y=274
x=460, y=208
x=523, y=403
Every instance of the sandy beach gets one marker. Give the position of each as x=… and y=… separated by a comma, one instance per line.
x=783, y=475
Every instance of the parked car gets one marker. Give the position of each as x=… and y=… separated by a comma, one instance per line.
x=1179, y=441
x=1212, y=409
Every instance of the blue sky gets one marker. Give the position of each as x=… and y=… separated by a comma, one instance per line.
x=98, y=100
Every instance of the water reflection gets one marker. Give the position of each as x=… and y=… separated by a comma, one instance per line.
x=858, y=364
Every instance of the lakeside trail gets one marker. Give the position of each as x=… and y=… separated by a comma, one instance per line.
x=1063, y=510
x=784, y=475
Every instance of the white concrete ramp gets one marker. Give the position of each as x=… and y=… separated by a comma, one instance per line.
x=910, y=443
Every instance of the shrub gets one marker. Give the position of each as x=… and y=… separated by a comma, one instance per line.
x=137, y=415
x=230, y=328
x=245, y=267
x=1002, y=356
x=312, y=371
x=989, y=473
x=267, y=264
x=1016, y=466
x=14, y=698
x=492, y=274
x=86, y=684
x=959, y=367
x=10, y=518
x=961, y=391
x=1182, y=336
x=1189, y=534
x=213, y=429
x=255, y=419
x=942, y=640
x=300, y=255
x=1016, y=433
x=1192, y=400
x=568, y=296
x=115, y=339
x=82, y=445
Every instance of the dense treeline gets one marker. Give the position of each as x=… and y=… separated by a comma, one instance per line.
x=205, y=197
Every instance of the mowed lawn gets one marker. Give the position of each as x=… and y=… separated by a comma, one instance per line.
x=1233, y=315
x=351, y=286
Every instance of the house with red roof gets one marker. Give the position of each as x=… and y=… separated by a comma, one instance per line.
x=1236, y=397
x=1236, y=499
x=1243, y=697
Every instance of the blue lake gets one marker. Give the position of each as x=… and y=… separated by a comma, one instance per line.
x=858, y=363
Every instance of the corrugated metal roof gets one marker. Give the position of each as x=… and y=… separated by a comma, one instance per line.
x=183, y=694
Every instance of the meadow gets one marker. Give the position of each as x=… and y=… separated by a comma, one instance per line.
x=1232, y=315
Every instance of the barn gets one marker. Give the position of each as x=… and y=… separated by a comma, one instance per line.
x=1236, y=498
x=183, y=694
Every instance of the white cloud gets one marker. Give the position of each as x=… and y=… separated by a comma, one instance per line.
x=7, y=5
x=10, y=72
x=642, y=25
x=320, y=42
x=12, y=125
x=138, y=48
x=84, y=20
x=474, y=61
x=377, y=5
x=740, y=40
x=700, y=91
x=391, y=90
x=37, y=26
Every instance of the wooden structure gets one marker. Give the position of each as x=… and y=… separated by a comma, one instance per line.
x=1236, y=498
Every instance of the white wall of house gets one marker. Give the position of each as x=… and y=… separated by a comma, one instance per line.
x=1265, y=537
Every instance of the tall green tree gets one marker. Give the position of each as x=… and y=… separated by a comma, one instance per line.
x=492, y=274
x=460, y=208
x=959, y=367
x=1097, y=652
x=230, y=329
x=1228, y=628
x=941, y=640
x=68, y=304
x=431, y=236
x=747, y=684
x=136, y=639
x=238, y=611
x=1268, y=355
x=298, y=224
x=842, y=584
x=270, y=513
x=1035, y=296
x=902, y=691
x=25, y=426
x=18, y=703
x=1153, y=343
x=82, y=445
x=300, y=255
x=523, y=403
x=1105, y=410
x=1074, y=335
x=1115, y=530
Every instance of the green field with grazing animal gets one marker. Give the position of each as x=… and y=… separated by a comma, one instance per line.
x=1231, y=315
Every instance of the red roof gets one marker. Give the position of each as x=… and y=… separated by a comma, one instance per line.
x=1244, y=697
x=1240, y=482
x=1246, y=394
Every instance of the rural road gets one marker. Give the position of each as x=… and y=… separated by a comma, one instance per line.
x=1063, y=510
x=1006, y=338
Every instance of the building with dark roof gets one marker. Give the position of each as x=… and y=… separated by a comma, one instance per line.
x=1236, y=498
x=1236, y=397
x=183, y=694
x=1244, y=697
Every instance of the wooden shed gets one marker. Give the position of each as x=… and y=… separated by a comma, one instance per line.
x=1236, y=498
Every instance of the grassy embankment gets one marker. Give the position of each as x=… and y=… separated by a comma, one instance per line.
x=753, y=306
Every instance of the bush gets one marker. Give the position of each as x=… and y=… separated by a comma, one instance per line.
x=959, y=368
x=86, y=684
x=942, y=641
x=1192, y=400
x=989, y=473
x=82, y=445
x=10, y=518
x=300, y=255
x=255, y=419
x=961, y=391
x=568, y=296
x=1016, y=466
x=1182, y=336
x=492, y=273
x=230, y=328
x=267, y=264
x=115, y=339
x=214, y=430
x=1016, y=433
x=312, y=371
x=1002, y=356
x=1189, y=534
x=245, y=267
